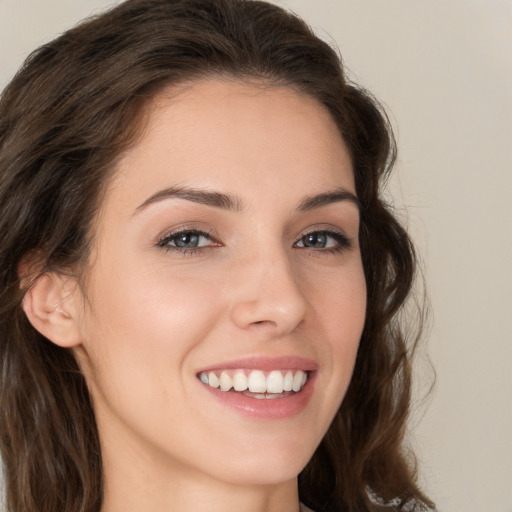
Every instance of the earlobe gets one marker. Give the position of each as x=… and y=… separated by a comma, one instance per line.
x=50, y=307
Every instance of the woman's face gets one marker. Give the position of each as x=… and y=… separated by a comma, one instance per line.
x=227, y=243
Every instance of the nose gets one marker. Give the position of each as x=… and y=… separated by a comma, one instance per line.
x=268, y=295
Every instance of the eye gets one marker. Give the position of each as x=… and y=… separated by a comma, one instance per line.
x=323, y=240
x=186, y=241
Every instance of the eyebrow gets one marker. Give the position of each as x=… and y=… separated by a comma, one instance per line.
x=335, y=196
x=214, y=199
x=233, y=203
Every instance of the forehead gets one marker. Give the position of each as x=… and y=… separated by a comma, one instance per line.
x=222, y=133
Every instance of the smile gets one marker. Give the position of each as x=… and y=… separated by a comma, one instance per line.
x=256, y=383
x=266, y=388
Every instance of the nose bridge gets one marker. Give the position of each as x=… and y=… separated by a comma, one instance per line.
x=268, y=291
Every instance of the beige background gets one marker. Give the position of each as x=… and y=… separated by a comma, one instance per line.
x=444, y=70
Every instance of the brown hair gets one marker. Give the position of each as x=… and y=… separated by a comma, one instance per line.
x=72, y=109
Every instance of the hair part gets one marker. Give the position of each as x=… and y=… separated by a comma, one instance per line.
x=72, y=110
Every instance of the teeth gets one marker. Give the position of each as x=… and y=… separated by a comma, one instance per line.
x=297, y=381
x=226, y=382
x=288, y=381
x=275, y=382
x=213, y=380
x=257, y=382
x=240, y=382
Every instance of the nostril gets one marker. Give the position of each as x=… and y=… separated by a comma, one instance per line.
x=263, y=323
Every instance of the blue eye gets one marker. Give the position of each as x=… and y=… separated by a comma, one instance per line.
x=322, y=240
x=184, y=241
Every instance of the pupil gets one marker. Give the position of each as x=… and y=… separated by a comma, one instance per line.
x=315, y=240
x=187, y=240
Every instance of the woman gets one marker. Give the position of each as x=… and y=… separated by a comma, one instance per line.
x=200, y=279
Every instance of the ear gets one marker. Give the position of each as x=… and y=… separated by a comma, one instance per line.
x=50, y=306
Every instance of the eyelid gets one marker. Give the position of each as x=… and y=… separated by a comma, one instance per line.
x=322, y=228
x=186, y=227
x=162, y=240
x=343, y=240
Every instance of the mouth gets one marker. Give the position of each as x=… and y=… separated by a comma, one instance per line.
x=257, y=384
x=267, y=388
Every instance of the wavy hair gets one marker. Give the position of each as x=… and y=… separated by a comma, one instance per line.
x=76, y=104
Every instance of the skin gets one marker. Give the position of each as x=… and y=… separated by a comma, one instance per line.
x=152, y=316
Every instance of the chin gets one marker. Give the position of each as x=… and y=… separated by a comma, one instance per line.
x=270, y=466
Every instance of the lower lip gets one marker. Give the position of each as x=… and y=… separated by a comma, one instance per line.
x=269, y=409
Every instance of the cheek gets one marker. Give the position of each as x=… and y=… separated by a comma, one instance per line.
x=156, y=300
x=138, y=348
x=338, y=299
x=145, y=324
x=340, y=306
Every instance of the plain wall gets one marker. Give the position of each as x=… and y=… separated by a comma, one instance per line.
x=444, y=71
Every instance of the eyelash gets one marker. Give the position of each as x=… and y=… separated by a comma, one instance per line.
x=164, y=243
x=342, y=241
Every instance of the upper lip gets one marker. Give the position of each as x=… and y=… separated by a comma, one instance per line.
x=265, y=364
